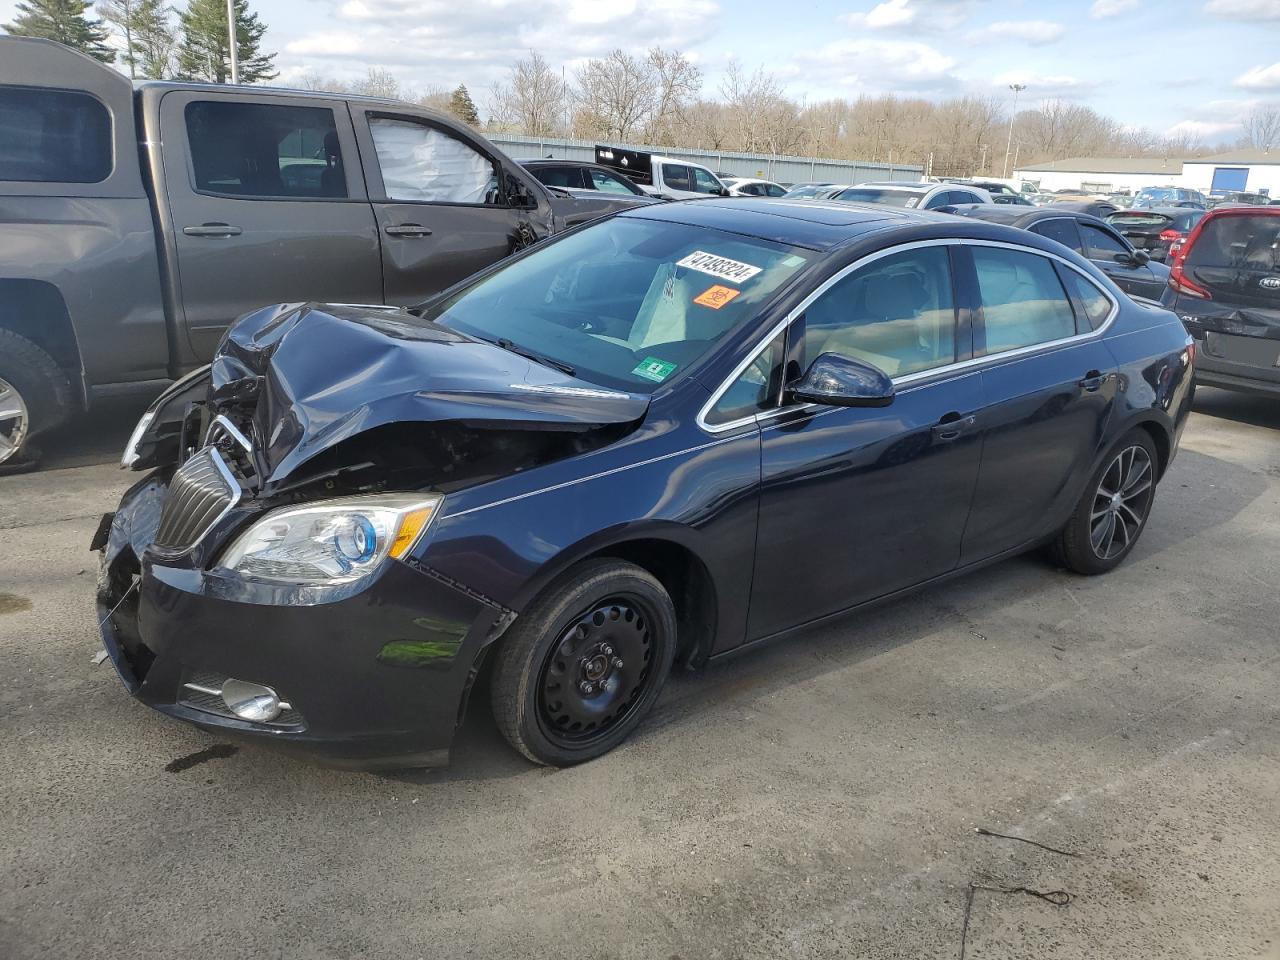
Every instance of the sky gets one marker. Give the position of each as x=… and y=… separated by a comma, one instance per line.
x=1169, y=66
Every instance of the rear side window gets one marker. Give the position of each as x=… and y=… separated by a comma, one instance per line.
x=1095, y=303
x=1062, y=229
x=1023, y=302
x=53, y=136
x=560, y=176
x=677, y=177
x=1250, y=242
x=265, y=150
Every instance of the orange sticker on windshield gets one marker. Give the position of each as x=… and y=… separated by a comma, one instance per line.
x=715, y=297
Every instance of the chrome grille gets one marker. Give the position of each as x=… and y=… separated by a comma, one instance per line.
x=200, y=494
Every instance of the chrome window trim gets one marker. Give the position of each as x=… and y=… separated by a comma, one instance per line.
x=945, y=371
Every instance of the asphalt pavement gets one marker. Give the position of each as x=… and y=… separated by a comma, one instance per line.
x=818, y=797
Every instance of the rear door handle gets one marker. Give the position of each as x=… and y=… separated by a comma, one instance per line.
x=213, y=230
x=1092, y=381
x=952, y=426
x=406, y=230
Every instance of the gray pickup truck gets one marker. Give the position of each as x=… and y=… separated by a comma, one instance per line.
x=137, y=221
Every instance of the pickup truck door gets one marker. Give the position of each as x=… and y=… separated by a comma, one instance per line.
x=445, y=203
x=265, y=204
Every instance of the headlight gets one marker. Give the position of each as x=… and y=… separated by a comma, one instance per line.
x=331, y=541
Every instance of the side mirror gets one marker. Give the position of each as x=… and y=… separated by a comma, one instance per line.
x=724, y=191
x=1139, y=258
x=835, y=380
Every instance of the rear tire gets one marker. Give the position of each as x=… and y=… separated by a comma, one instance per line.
x=1113, y=511
x=581, y=668
x=35, y=396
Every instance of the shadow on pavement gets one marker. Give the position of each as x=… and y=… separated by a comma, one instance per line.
x=1243, y=407
x=96, y=437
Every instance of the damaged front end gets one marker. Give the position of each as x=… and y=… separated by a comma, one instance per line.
x=273, y=541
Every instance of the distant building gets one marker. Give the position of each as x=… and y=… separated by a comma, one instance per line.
x=1103, y=174
x=1257, y=171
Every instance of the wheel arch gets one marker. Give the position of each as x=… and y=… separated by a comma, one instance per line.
x=670, y=552
x=36, y=311
x=1161, y=435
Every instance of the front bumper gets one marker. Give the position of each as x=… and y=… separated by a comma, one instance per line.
x=376, y=679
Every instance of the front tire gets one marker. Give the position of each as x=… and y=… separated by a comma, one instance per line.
x=1113, y=511
x=579, y=671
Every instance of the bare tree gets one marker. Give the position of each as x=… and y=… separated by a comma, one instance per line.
x=532, y=101
x=378, y=82
x=615, y=96
x=677, y=83
x=1262, y=126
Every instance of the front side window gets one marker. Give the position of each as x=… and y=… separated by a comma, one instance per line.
x=264, y=150
x=773, y=190
x=755, y=390
x=420, y=163
x=627, y=303
x=896, y=313
x=1023, y=302
x=1100, y=245
x=677, y=177
x=53, y=136
x=608, y=183
x=1062, y=229
x=704, y=182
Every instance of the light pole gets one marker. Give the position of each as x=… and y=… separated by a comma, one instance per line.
x=231, y=38
x=875, y=153
x=1017, y=88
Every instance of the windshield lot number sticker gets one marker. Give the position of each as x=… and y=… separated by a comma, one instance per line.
x=715, y=297
x=721, y=268
x=651, y=368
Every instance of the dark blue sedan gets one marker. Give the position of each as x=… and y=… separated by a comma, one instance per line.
x=655, y=439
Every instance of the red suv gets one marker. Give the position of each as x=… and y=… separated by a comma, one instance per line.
x=1224, y=282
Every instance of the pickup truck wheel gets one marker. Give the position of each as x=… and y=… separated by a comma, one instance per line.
x=579, y=670
x=34, y=396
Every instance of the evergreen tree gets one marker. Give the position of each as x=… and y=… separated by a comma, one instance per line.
x=147, y=32
x=64, y=21
x=463, y=107
x=203, y=53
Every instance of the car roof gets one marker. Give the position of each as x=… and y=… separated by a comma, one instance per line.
x=801, y=223
x=1022, y=217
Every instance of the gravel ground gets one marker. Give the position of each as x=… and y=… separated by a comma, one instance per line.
x=813, y=798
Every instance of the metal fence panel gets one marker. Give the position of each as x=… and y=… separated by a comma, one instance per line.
x=782, y=169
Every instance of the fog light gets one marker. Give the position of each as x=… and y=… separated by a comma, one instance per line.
x=251, y=701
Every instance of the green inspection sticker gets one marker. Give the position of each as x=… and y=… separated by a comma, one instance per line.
x=651, y=368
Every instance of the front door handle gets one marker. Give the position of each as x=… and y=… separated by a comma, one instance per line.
x=406, y=230
x=952, y=426
x=1092, y=381
x=213, y=230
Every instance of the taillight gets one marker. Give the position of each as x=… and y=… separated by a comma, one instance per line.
x=1178, y=278
x=1169, y=236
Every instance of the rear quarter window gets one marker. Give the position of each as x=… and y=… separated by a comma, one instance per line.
x=53, y=136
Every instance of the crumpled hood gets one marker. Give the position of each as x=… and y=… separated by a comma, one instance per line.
x=318, y=374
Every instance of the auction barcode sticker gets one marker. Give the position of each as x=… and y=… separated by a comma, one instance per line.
x=721, y=267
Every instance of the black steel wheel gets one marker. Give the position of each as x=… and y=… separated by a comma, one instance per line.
x=1114, y=508
x=581, y=667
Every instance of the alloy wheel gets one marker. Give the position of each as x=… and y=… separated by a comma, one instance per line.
x=1121, y=502
x=14, y=420
x=596, y=674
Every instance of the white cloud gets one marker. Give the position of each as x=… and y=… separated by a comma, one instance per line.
x=865, y=65
x=915, y=16
x=1260, y=78
x=891, y=13
x=1102, y=9
x=1244, y=9
x=1201, y=129
x=1035, y=32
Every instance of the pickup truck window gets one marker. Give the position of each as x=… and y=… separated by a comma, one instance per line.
x=419, y=162
x=677, y=176
x=265, y=150
x=53, y=136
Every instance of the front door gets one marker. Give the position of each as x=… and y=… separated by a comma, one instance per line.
x=858, y=502
x=1048, y=391
x=441, y=203
x=265, y=205
x=1115, y=258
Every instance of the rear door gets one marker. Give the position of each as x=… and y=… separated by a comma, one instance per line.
x=1235, y=261
x=267, y=206
x=444, y=203
x=1048, y=390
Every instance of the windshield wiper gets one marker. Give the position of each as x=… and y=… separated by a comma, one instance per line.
x=528, y=354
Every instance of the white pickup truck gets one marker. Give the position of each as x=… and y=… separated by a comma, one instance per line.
x=666, y=177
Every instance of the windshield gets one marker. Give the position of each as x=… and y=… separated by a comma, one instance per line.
x=892, y=198
x=807, y=190
x=628, y=303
